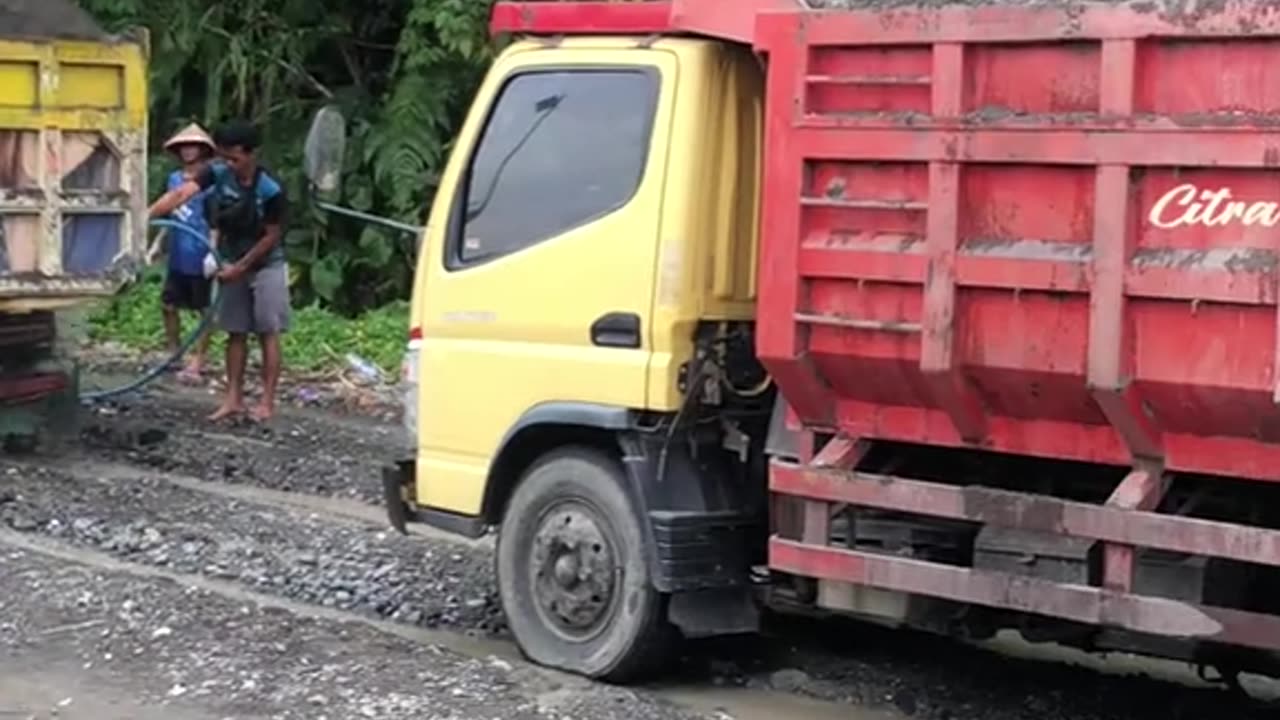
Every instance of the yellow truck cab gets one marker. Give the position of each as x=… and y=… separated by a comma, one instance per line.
x=588, y=267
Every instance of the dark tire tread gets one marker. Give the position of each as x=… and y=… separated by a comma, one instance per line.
x=650, y=643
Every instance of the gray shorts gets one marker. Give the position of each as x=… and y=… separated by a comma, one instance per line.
x=257, y=303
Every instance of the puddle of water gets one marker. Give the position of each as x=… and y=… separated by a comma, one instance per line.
x=96, y=380
x=751, y=704
x=1010, y=644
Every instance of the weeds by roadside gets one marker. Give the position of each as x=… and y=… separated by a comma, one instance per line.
x=317, y=340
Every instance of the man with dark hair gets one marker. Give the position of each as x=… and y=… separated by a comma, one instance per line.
x=247, y=207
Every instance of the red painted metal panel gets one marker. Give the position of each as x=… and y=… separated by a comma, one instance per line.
x=581, y=18
x=27, y=388
x=1111, y=522
x=994, y=24
x=1094, y=606
x=1142, y=489
x=1076, y=214
x=725, y=19
x=750, y=20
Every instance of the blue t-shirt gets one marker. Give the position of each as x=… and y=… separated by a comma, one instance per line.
x=242, y=220
x=186, y=251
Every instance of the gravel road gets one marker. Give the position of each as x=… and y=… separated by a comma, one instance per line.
x=191, y=555
x=101, y=637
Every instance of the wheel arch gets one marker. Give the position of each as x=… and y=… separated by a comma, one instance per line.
x=541, y=429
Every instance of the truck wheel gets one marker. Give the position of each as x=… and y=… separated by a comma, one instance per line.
x=572, y=572
x=21, y=443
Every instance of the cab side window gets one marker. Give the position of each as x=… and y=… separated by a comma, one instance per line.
x=560, y=149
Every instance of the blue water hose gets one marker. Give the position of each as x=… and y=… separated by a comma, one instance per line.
x=205, y=320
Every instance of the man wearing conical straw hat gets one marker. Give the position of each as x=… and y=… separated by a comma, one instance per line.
x=186, y=286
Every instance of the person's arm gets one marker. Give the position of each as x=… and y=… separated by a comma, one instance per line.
x=273, y=218
x=159, y=246
x=209, y=214
x=174, y=198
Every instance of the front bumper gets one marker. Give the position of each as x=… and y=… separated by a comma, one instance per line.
x=398, y=479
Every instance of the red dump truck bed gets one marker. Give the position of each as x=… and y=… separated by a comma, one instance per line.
x=1062, y=246
x=1041, y=230
x=1045, y=230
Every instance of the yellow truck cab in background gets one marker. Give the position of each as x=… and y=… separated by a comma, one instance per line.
x=591, y=251
x=73, y=160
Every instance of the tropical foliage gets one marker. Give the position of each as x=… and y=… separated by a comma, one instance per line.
x=402, y=71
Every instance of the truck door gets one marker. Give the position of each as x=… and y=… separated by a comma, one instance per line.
x=543, y=250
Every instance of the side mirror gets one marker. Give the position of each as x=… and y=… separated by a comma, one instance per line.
x=325, y=149
x=323, y=154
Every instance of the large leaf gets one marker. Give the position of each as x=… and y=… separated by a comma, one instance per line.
x=326, y=277
x=376, y=248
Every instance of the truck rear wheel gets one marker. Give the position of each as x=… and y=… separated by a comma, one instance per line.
x=572, y=572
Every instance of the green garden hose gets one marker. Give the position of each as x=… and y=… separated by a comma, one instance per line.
x=205, y=321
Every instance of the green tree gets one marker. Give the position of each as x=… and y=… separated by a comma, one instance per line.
x=403, y=72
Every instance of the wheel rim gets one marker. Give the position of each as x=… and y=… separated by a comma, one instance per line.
x=574, y=570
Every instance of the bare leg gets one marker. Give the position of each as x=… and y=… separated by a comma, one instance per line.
x=270, y=376
x=237, y=355
x=196, y=366
x=171, y=328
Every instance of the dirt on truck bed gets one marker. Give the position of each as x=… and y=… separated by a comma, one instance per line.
x=1167, y=7
x=47, y=19
x=159, y=566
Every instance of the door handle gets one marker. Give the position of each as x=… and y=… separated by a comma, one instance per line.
x=619, y=330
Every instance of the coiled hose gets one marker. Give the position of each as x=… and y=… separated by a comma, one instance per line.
x=214, y=301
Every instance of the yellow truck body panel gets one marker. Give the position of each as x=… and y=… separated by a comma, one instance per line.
x=664, y=243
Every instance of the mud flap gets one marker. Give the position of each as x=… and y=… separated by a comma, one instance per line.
x=44, y=402
x=710, y=613
x=394, y=478
x=65, y=411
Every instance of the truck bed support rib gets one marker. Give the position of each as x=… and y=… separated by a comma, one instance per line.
x=1096, y=606
x=1124, y=522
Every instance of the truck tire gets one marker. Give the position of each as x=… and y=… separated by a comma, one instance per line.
x=572, y=570
x=21, y=443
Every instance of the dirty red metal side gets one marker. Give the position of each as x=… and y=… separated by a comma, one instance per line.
x=1112, y=522
x=1019, y=24
x=980, y=230
x=840, y=453
x=954, y=394
x=733, y=20
x=1124, y=521
x=779, y=336
x=725, y=19
x=1110, y=368
x=1090, y=605
x=27, y=388
x=581, y=18
x=1142, y=489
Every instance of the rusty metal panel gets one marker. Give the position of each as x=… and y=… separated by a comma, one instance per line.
x=72, y=167
x=1089, y=605
x=1027, y=230
x=1026, y=511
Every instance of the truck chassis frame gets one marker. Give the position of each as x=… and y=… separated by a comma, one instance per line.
x=1123, y=522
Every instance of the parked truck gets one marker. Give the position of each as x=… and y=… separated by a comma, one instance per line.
x=954, y=317
x=73, y=132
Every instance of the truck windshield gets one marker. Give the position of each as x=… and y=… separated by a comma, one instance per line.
x=543, y=108
x=560, y=148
